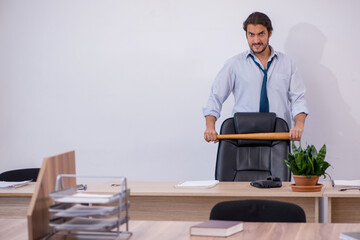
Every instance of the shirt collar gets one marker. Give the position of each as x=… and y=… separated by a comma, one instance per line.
x=273, y=53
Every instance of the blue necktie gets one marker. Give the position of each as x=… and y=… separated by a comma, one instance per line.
x=264, y=102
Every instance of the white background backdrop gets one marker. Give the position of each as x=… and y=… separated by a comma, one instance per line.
x=123, y=82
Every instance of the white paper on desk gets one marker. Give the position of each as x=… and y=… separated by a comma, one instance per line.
x=13, y=184
x=88, y=198
x=203, y=184
x=88, y=224
x=85, y=211
x=347, y=183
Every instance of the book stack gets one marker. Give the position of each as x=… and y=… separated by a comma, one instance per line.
x=350, y=235
x=216, y=228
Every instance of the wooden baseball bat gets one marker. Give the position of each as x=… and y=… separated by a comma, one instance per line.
x=256, y=136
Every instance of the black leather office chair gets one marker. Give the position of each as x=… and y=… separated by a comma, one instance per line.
x=249, y=160
x=255, y=210
x=20, y=175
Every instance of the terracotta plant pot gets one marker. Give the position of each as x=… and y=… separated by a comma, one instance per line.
x=302, y=180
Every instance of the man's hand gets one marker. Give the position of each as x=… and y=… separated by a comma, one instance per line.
x=296, y=132
x=210, y=134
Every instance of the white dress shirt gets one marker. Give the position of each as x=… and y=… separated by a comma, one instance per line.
x=242, y=77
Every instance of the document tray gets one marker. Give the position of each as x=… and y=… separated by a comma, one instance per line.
x=88, y=224
x=70, y=195
x=87, y=211
x=89, y=216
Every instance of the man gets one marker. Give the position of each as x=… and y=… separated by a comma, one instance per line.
x=261, y=80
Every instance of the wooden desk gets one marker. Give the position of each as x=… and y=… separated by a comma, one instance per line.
x=14, y=202
x=16, y=229
x=343, y=206
x=162, y=201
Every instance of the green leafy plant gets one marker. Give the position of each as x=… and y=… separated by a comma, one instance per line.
x=307, y=161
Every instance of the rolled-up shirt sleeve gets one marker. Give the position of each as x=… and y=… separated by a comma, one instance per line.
x=220, y=91
x=297, y=93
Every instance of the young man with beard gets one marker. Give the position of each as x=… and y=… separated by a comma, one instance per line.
x=261, y=80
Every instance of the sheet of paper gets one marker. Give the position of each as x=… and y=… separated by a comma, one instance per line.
x=88, y=198
x=347, y=183
x=88, y=224
x=89, y=195
x=13, y=184
x=85, y=211
x=203, y=184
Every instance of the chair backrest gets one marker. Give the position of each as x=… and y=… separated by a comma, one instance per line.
x=20, y=175
x=256, y=210
x=249, y=160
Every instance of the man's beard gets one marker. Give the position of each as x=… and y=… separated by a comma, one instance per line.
x=262, y=50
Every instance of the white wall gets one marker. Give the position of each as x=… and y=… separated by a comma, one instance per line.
x=123, y=82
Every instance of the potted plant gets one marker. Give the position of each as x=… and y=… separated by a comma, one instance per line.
x=307, y=165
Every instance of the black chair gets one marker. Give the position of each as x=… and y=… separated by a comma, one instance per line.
x=20, y=175
x=255, y=210
x=249, y=160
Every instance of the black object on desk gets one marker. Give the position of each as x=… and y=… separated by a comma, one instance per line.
x=270, y=182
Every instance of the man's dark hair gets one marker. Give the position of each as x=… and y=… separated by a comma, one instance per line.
x=258, y=18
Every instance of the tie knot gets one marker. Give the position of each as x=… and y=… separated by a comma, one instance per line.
x=258, y=64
